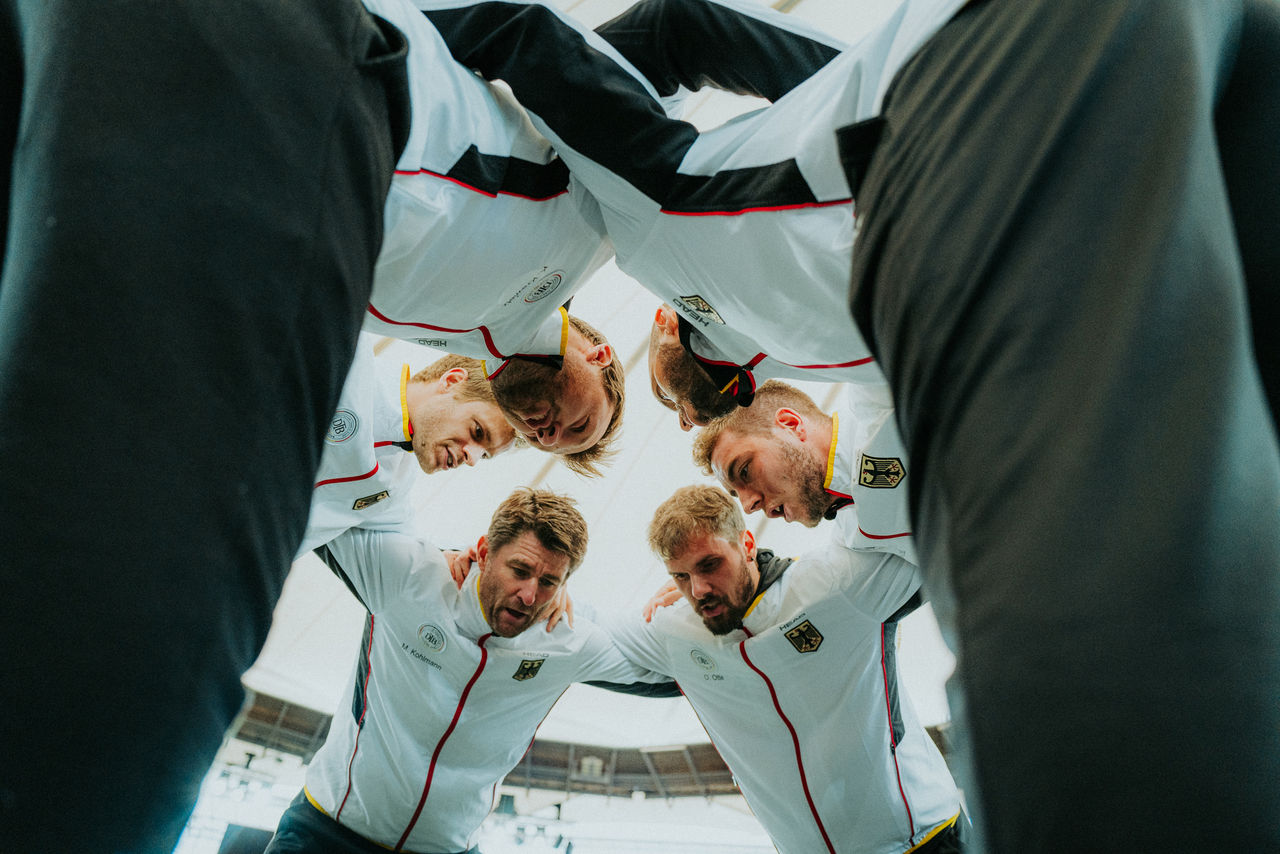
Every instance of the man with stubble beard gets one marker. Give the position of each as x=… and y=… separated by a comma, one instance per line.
x=785, y=457
x=790, y=665
x=451, y=683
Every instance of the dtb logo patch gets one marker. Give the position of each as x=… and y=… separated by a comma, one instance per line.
x=369, y=500
x=880, y=472
x=343, y=426
x=545, y=287
x=527, y=669
x=804, y=637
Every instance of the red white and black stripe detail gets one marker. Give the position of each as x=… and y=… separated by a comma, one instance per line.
x=605, y=113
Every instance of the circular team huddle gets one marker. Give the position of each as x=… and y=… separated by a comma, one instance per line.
x=1029, y=240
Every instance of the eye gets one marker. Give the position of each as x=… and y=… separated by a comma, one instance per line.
x=679, y=577
x=581, y=428
x=548, y=582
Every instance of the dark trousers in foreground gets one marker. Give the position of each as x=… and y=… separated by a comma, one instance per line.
x=306, y=830
x=1066, y=239
x=193, y=208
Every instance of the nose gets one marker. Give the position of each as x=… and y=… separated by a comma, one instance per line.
x=547, y=435
x=698, y=588
x=685, y=424
x=527, y=591
x=750, y=500
x=472, y=452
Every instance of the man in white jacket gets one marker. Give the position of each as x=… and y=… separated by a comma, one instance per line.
x=785, y=457
x=391, y=425
x=790, y=666
x=451, y=684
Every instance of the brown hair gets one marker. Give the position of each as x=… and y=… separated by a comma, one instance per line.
x=553, y=518
x=474, y=387
x=586, y=462
x=693, y=510
x=756, y=419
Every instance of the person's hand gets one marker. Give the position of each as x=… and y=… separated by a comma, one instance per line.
x=561, y=607
x=460, y=563
x=668, y=594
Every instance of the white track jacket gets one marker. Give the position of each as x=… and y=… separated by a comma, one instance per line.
x=439, y=710
x=804, y=705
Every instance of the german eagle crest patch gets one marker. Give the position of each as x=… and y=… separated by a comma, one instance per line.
x=804, y=637
x=527, y=669
x=880, y=472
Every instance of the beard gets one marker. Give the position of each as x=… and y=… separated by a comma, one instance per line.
x=735, y=606
x=686, y=381
x=809, y=475
x=493, y=605
x=426, y=434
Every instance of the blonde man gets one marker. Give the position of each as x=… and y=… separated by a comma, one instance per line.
x=451, y=683
x=790, y=666
x=388, y=419
x=786, y=458
x=571, y=406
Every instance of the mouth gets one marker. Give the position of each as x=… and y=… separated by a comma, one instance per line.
x=714, y=608
x=512, y=621
x=537, y=418
x=444, y=458
x=778, y=510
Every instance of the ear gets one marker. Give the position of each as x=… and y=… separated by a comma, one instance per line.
x=749, y=543
x=667, y=321
x=600, y=355
x=452, y=377
x=482, y=553
x=790, y=421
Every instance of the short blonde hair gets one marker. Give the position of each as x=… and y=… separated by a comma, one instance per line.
x=474, y=387
x=756, y=419
x=691, y=511
x=586, y=462
x=553, y=518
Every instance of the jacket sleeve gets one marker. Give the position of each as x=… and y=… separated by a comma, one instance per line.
x=376, y=565
x=586, y=93
x=878, y=584
x=607, y=662
x=740, y=47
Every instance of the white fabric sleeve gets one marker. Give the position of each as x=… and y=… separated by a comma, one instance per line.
x=378, y=564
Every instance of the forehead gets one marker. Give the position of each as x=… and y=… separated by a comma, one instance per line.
x=698, y=548
x=733, y=448
x=528, y=551
x=585, y=399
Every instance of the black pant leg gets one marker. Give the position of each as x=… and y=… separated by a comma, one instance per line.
x=195, y=212
x=1248, y=128
x=1049, y=272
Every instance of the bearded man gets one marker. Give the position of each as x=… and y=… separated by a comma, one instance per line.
x=451, y=683
x=791, y=668
x=786, y=458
